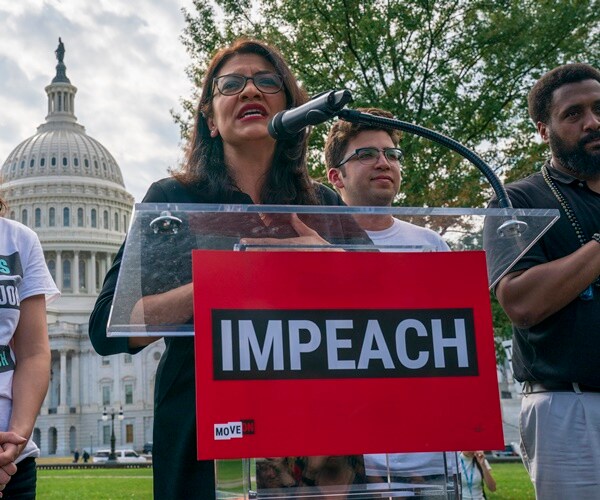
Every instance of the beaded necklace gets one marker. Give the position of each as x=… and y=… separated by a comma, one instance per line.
x=588, y=293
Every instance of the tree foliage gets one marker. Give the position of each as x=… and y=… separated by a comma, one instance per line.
x=460, y=67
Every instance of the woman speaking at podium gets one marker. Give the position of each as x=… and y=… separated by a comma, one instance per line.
x=232, y=159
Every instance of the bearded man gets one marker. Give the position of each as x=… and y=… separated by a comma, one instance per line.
x=552, y=294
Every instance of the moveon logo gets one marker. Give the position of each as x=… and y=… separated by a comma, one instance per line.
x=232, y=430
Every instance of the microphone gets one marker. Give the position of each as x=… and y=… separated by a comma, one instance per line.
x=319, y=109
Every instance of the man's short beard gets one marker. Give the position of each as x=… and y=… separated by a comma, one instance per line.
x=577, y=159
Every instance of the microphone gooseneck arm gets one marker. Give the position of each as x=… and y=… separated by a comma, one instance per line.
x=353, y=116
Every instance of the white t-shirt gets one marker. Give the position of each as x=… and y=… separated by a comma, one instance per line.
x=411, y=238
x=408, y=235
x=23, y=274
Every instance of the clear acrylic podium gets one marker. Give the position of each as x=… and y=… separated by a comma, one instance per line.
x=157, y=257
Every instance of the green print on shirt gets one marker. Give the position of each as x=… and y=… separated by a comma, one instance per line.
x=11, y=265
x=6, y=360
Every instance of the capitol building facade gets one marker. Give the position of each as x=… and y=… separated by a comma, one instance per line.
x=69, y=189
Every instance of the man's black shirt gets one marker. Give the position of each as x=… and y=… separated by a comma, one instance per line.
x=564, y=347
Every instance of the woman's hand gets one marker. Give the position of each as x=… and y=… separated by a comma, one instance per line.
x=306, y=237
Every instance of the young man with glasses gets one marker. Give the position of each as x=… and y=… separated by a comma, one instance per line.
x=365, y=165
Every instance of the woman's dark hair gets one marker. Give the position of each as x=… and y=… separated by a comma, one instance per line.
x=287, y=180
x=539, y=99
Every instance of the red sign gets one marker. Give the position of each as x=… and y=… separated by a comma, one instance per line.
x=339, y=353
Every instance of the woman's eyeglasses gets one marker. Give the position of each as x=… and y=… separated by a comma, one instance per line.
x=233, y=84
x=369, y=156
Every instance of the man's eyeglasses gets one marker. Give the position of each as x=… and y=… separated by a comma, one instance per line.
x=369, y=156
x=233, y=84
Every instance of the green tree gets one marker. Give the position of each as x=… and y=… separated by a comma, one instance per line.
x=460, y=67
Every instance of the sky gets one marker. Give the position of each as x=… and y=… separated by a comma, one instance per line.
x=127, y=61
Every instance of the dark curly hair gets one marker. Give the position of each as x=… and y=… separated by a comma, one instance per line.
x=341, y=133
x=288, y=181
x=539, y=99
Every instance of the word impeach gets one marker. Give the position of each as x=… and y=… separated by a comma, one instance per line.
x=304, y=344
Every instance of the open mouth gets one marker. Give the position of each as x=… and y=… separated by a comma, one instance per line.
x=252, y=111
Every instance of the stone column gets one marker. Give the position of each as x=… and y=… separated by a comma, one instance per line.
x=117, y=395
x=59, y=270
x=75, y=271
x=63, y=380
x=92, y=275
x=84, y=392
x=75, y=369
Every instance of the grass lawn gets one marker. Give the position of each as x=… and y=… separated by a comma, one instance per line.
x=512, y=482
x=117, y=484
x=95, y=484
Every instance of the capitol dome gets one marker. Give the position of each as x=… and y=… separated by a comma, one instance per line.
x=68, y=188
x=61, y=147
x=63, y=150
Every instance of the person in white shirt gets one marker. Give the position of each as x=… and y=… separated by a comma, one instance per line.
x=364, y=164
x=475, y=471
x=25, y=285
